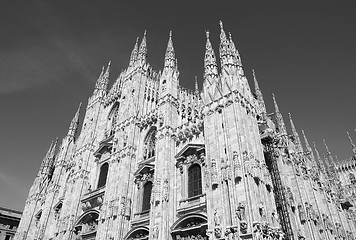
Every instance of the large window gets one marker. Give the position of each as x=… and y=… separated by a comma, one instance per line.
x=103, y=175
x=146, y=202
x=194, y=181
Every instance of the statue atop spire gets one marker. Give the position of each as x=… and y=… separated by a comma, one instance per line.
x=259, y=96
x=210, y=66
x=142, y=52
x=352, y=143
x=295, y=135
x=73, y=127
x=134, y=54
x=279, y=118
x=169, y=59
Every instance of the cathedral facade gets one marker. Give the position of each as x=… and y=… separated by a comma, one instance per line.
x=154, y=160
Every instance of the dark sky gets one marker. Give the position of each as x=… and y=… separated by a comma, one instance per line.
x=51, y=53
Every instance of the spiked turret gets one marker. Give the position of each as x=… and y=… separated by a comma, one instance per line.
x=134, y=54
x=224, y=48
x=307, y=146
x=295, y=135
x=259, y=96
x=210, y=66
x=142, y=52
x=352, y=143
x=169, y=58
x=103, y=80
x=73, y=127
x=279, y=118
x=318, y=159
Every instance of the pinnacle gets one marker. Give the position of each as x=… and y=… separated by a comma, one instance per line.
x=326, y=146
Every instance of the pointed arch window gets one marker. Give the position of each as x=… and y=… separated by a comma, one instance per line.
x=194, y=181
x=150, y=143
x=147, y=191
x=103, y=175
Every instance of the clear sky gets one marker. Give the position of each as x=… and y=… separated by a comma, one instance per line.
x=51, y=53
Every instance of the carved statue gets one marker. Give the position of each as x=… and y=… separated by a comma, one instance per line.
x=275, y=218
x=155, y=232
x=301, y=212
x=290, y=196
x=166, y=190
x=240, y=212
x=217, y=218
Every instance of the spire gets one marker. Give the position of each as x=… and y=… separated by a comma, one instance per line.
x=103, y=80
x=352, y=143
x=196, y=89
x=134, y=54
x=210, y=66
x=224, y=47
x=234, y=52
x=279, y=118
x=53, y=150
x=295, y=134
x=169, y=59
x=318, y=159
x=107, y=72
x=73, y=127
x=307, y=146
x=326, y=147
x=45, y=160
x=259, y=95
x=142, y=52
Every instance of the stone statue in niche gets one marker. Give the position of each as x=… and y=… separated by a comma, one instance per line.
x=217, y=219
x=290, y=196
x=155, y=232
x=166, y=190
x=241, y=211
x=214, y=174
x=302, y=215
x=275, y=217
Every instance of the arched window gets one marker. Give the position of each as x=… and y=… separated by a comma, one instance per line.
x=150, y=143
x=194, y=181
x=146, y=202
x=103, y=174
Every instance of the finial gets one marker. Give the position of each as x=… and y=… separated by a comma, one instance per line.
x=196, y=85
x=351, y=142
x=170, y=33
x=316, y=151
x=275, y=103
x=221, y=24
x=144, y=33
x=207, y=36
x=230, y=37
x=326, y=146
x=109, y=63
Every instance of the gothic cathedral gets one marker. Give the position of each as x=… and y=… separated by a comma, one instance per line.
x=154, y=160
